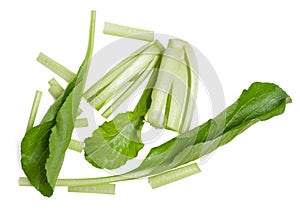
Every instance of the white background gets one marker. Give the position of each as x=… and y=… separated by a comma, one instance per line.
x=245, y=41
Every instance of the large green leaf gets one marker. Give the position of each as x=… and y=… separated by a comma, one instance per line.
x=260, y=102
x=43, y=147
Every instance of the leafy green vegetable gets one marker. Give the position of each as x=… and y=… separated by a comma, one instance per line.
x=43, y=147
x=57, y=90
x=260, y=102
x=119, y=140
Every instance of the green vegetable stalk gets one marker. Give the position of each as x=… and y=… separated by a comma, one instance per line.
x=175, y=91
x=122, y=79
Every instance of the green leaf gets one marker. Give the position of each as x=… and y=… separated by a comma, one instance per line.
x=43, y=147
x=116, y=141
x=260, y=102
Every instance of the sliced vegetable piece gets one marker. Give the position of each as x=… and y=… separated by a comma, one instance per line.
x=133, y=86
x=128, y=32
x=114, y=73
x=34, y=109
x=193, y=80
x=175, y=91
x=56, y=67
x=100, y=189
x=173, y=175
x=55, y=88
x=108, y=90
x=81, y=122
x=76, y=145
x=168, y=93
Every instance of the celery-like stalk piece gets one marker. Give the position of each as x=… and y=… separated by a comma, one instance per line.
x=34, y=109
x=113, y=73
x=55, y=88
x=81, y=122
x=193, y=80
x=101, y=189
x=135, y=68
x=128, y=32
x=190, y=62
x=175, y=91
x=76, y=145
x=173, y=175
x=133, y=86
x=56, y=67
x=164, y=97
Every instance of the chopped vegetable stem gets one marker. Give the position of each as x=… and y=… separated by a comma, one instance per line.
x=101, y=189
x=128, y=32
x=81, y=122
x=160, y=115
x=191, y=63
x=34, y=109
x=173, y=175
x=105, y=94
x=56, y=67
x=76, y=145
x=113, y=73
x=134, y=85
x=55, y=88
